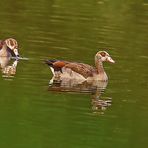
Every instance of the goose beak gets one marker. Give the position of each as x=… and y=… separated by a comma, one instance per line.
x=16, y=52
x=109, y=59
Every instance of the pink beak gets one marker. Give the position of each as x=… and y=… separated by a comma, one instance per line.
x=109, y=59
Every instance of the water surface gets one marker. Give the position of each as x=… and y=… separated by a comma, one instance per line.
x=32, y=115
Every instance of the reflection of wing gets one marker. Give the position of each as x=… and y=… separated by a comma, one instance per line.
x=95, y=88
x=83, y=69
x=10, y=70
x=75, y=85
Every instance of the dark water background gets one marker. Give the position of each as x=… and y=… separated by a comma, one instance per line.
x=31, y=115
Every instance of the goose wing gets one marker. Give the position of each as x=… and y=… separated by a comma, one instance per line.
x=83, y=69
x=57, y=65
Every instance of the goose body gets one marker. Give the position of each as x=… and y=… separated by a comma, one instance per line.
x=74, y=70
x=8, y=48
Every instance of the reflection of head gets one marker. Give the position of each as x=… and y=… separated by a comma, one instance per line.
x=95, y=89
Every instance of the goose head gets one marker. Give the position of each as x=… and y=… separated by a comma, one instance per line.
x=12, y=46
x=104, y=56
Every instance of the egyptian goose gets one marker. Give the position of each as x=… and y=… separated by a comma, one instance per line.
x=8, y=48
x=73, y=70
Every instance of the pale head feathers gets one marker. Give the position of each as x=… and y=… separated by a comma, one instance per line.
x=104, y=56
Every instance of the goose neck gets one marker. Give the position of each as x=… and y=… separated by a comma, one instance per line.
x=99, y=66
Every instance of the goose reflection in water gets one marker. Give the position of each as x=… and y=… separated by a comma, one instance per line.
x=94, y=88
x=8, y=66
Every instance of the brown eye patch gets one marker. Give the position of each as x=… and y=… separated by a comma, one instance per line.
x=103, y=54
x=11, y=43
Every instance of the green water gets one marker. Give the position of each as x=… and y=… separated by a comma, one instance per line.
x=32, y=115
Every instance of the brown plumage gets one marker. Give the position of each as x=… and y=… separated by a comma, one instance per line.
x=74, y=70
x=83, y=69
x=59, y=64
